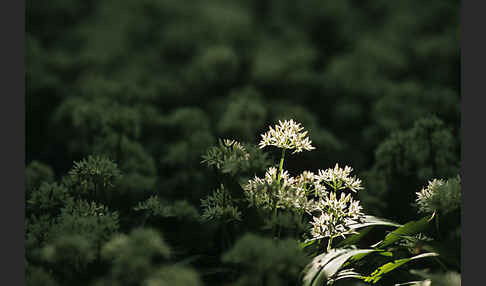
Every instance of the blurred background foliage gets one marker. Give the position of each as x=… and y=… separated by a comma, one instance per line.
x=147, y=86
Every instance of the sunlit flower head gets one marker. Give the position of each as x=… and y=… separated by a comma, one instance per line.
x=263, y=192
x=308, y=183
x=339, y=178
x=425, y=196
x=287, y=135
x=336, y=216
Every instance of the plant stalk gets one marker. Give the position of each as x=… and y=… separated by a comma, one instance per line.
x=329, y=244
x=280, y=169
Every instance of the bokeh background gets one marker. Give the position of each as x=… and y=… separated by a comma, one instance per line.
x=153, y=83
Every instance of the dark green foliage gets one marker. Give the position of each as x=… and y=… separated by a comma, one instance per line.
x=173, y=275
x=37, y=173
x=93, y=174
x=37, y=233
x=92, y=220
x=264, y=261
x=36, y=276
x=244, y=113
x=424, y=151
x=64, y=233
x=405, y=160
x=219, y=206
x=159, y=209
x=141, y=258
x=232, y=157
x=190, y=133
x=289, y=224
x=132, y=255
x=48, y=198
x=108, y=125
x=69, y=253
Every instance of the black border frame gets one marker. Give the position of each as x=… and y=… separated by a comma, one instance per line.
x=12, y=27
x=473, y=142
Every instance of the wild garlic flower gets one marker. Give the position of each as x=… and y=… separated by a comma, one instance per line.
x=287, y=135
x=426, y=196
x=336, y=216
x=272, y=174
x=309, y=182
x=339, y=178
x=265, y=192
x=294, y=193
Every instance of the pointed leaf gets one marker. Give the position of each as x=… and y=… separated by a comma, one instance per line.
x=390, y=266
x=353, y=239
x=315, y=266
x=410, y=228
x=370, y=220
x=334, y=265
x=326, y=265
x=307, y=243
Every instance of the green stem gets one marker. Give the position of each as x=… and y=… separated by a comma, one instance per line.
x=280, y=168
x=275, y=226
x=437, y=224
x=437, y=221
x=329, y=244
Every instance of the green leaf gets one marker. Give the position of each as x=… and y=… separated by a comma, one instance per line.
x=378, y=273
x=307, y=243
x=368, y=223
x=346, y=273
x=361, y=255
x=325, y=266
x=353, y=239
x=370, y=220
x=386, y=253
x=409, y=228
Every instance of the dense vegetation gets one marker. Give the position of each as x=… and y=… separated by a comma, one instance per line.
x=126, y=102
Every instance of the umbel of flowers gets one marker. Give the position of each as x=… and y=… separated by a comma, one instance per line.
x=325, y=196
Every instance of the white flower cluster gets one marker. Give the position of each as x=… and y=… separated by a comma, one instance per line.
x=332, y=216
x=265, y=193
x=310, y=193
x=338, y=178
x=287, y=135
x=425, y=196
x=336, y=216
